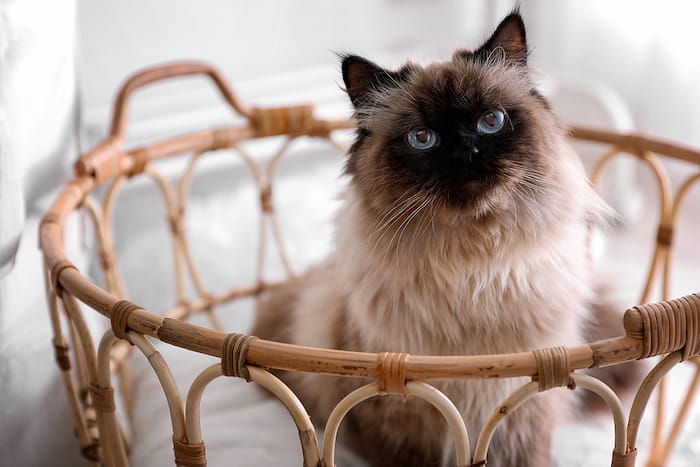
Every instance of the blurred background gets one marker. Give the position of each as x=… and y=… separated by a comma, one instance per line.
x=643, y=51
x=623, y=64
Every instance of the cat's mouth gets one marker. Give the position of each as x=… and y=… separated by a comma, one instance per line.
x=476, y=186
x=469, y=192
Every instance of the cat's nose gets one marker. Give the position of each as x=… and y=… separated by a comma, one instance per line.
x=469, y=143
x=470, y=149
x=465, y=154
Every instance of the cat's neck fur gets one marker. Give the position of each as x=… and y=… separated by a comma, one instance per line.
x=422, y=287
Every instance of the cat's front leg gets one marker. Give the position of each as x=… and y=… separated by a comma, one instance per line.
x=394, y=432
x=524, y=439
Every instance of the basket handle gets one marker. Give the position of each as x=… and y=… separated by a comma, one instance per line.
x=164, y=72
x=108, y=158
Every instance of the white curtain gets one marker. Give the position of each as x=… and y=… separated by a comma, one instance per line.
x=37, y=145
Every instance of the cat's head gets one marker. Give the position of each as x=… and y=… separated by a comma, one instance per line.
x=469, y=138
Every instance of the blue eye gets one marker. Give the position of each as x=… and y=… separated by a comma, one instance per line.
x=422, y=138
x=491, y=122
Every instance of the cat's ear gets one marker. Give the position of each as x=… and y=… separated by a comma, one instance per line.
x=508, y=39
x=361, y=77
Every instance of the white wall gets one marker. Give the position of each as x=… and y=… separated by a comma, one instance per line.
x=253, y=40
x=645, y=50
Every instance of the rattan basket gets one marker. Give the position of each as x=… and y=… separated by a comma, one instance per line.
x=670, y=328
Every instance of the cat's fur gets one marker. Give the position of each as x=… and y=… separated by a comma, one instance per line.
x=449, y=251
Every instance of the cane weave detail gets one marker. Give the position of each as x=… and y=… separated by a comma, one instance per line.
x=61, y=355
x=391, y=370
x=189, y=455
x=102, y=397
x=669, y=325
x=552, y=368
x=121, y=311
x=234, y=354
x=624, y=460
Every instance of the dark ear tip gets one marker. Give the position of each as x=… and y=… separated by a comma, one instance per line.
x=509, y=37
x=349, y=67
x=515, y=14
x=514, y=19
x=348, y=60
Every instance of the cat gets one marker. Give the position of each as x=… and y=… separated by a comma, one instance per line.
x=463, y=231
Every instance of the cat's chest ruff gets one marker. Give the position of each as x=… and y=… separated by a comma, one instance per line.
x=473, y=309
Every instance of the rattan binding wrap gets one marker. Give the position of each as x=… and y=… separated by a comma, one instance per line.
x=669, y=327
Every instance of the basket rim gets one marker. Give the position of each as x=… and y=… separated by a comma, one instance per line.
x=109, y=160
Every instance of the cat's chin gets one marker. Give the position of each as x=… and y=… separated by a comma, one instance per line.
x=472, y=200
x=474, y=191
x=464, y=214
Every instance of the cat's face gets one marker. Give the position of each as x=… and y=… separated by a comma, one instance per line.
x=466, y=137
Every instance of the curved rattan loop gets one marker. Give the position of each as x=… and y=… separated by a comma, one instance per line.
x=186, y=179
x=391, y=371
x=102, y=394
x=665, y=228
x=613, y=402
x=181, y=238
x=263, y=176
x=268, y=208
x=110, y=198
x=518, y=398
x=189, y=455
x=681, y=196
x=652, y=161
x=167, y=382
x=664, y=452
x=552, y=367
x=193, y=403
x=102, y=220
x=82, y=335
x=174, y=221
x=179, y=230
x=417, y=388
x=602, y=163
x=234, y=354
x=524, y=393
x=108, y=259
x=644, y=392
x=307, y=435
x=75, y=404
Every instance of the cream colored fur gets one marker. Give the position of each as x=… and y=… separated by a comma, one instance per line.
x=415, y=270
x=460, y=287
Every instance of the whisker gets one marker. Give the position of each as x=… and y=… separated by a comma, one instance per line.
x=404, y=225
x=376, y=237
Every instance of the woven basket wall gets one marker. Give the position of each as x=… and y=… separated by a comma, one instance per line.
x=669, y=329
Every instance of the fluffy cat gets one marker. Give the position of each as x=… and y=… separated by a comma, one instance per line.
x=463, y=231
